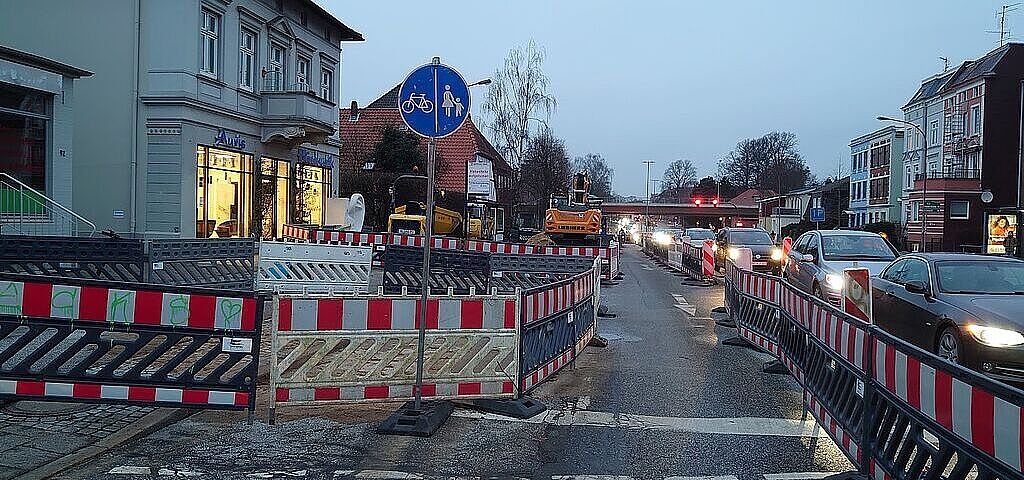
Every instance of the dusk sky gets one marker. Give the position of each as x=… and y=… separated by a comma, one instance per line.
x=660, y=80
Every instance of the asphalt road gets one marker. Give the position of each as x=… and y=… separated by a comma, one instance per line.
x=664, y=399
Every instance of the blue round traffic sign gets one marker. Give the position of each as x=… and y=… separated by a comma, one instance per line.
x=434, y=100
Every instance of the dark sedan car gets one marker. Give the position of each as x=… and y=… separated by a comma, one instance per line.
x=968, y=309
x=767, y=257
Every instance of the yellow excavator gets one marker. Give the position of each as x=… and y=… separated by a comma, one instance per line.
x=573, y=218
x=485, y=219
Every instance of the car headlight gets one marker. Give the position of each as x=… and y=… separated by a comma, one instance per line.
x=734, y=253
x=777, y=254
x=835, y=281
x=995, y=337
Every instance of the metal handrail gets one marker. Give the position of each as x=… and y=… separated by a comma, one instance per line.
x=55, y=205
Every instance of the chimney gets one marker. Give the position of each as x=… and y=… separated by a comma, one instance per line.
x=353, y=112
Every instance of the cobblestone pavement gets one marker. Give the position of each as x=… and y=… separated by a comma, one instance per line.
x=35, y=433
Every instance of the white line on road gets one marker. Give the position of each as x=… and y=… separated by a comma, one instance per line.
x=720, y=477
x=130, y=470
x=683, y=305
x=798, y=475
x=774, y=427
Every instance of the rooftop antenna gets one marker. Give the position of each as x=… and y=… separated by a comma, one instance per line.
x=1004, y=34
x=945, y=64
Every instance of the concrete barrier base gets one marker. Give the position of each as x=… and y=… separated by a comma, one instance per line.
x=420, y=423
x=524, y=407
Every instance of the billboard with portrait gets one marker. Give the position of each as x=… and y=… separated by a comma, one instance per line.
x=999, y=228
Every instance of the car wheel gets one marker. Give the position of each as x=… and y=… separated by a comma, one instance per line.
x=948, y=346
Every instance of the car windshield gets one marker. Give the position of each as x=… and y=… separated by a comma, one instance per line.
x=981, y=276
x=850, y=247
x=700, y=234
x=749, y=237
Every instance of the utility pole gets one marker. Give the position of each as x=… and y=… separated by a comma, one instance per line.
x=647, y=207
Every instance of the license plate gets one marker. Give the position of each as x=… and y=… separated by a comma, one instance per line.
x=760, y=264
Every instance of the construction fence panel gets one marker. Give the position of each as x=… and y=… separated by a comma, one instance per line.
x=459, y=271
x=309, y=268
x=92, y=341
x=118, y=260
x=227, y=263
x=211, y=262
x=897, y=411
x=555, y=318
x=364, y=348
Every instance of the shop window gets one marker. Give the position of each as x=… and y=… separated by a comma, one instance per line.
x=312, y=187
x=272, y=204
x=223, y=193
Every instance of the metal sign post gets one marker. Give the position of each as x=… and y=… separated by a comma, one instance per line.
x=434, y=101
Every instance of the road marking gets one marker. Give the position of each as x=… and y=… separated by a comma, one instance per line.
x=590, y=477
x=387, y=474
x=130, y=470
x=798, y=475
x=754, y=426
x=167, y=472
x=720, y=477
x=279, y=473
x=583, y=403
x=683, y=305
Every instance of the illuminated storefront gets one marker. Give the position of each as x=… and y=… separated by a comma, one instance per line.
x=312, y=187
x=272, y=197
x=224, y=193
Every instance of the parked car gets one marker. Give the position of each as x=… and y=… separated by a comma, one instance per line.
x=698, y=235
x=818, y=257
x=767, y=257
x=964, y=308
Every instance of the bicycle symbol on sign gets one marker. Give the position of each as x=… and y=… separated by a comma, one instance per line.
x=417, y=100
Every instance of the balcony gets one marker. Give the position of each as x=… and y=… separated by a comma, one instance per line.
x=294, y=114
x=953, y=173
x=950, y=177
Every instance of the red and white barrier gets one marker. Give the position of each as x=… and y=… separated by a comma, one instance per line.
x=708, y=256
x=98, y=391
x=398, y=313
x=124, y=307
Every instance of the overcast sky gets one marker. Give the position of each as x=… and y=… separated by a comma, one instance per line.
x=660, y=80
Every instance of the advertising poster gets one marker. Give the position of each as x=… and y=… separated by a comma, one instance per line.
x=1000, y=228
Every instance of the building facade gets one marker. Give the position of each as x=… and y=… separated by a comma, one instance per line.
x=974, y=151
x=776, y=212
x=37, y=96
x=876, y=181
x=211, y=118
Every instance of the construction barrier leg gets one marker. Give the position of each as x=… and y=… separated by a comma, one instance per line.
x=422, y=422
x=738, y=341
x=775, y=367
x=522, y=407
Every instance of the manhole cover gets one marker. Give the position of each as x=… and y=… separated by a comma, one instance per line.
x=46, y=409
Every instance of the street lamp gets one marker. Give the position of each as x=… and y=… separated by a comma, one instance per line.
x=924, y=168
x=485, y=81
x=647, y=207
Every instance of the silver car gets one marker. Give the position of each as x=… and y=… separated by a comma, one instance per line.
x=818, y=257
x=698, y=235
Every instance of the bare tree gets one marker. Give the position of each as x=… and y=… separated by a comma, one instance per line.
x=600, y=174
x=680, y=173
x=518, y=95
x=772, y=161
x=545, y=168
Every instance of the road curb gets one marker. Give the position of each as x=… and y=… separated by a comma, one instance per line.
x=146, y=425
